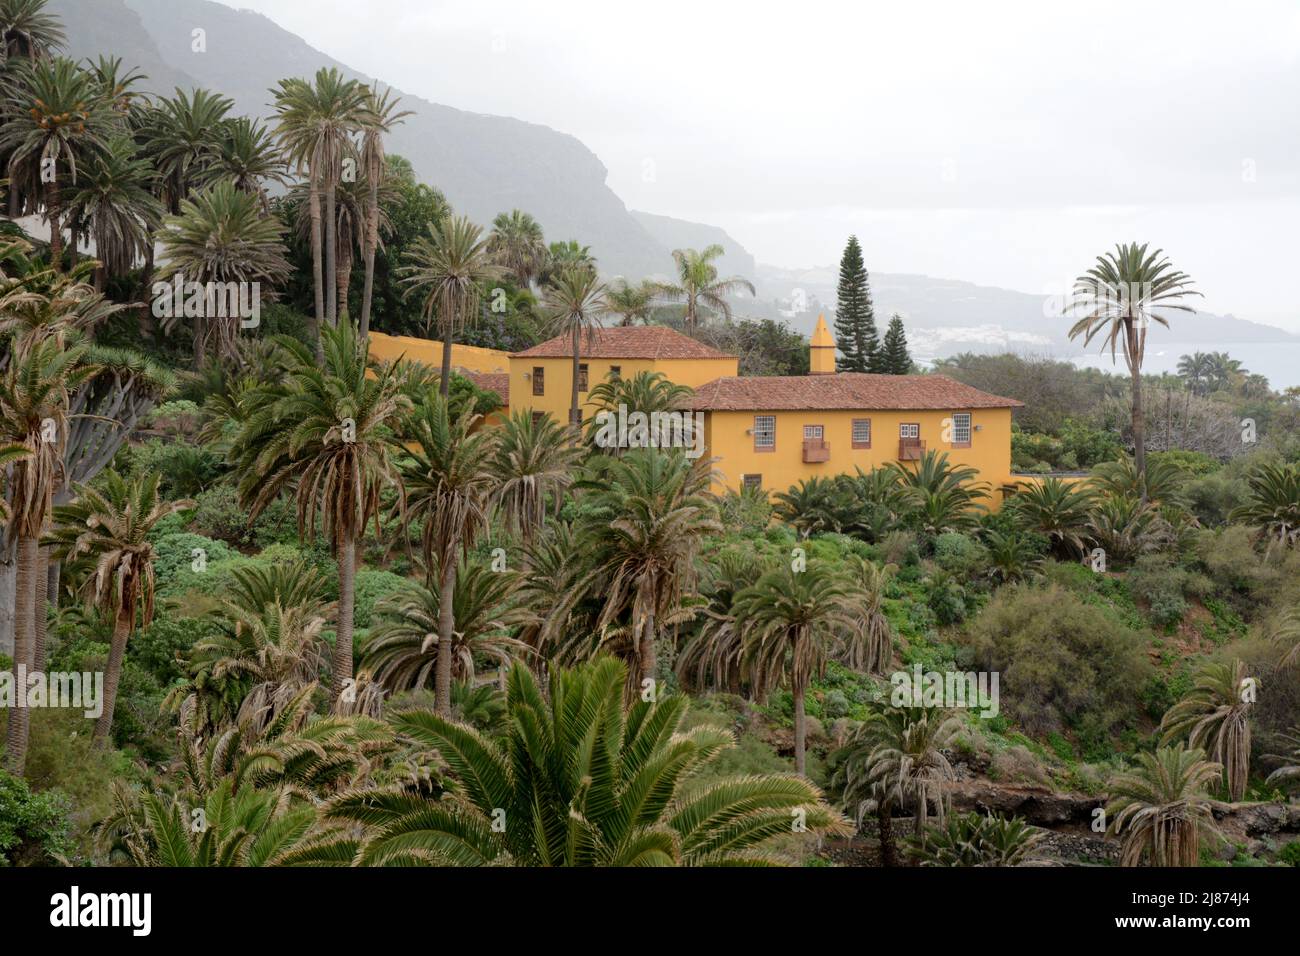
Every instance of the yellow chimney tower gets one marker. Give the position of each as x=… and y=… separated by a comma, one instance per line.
x=821, y=355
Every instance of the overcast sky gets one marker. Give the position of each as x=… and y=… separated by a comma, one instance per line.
x=1002, y=143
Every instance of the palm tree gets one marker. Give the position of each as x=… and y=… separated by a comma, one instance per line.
x=34, y=399
x=632, y=303
x=897, y=756
x=377, y=121
x=449, y=267
x=535, y=464
x=222, y=237
x=53, y=113
x=27, y=31
x=870, y=645
x=1057, y=510
x=249, y=156
x=1162, y=481
x=646, y=392
x=575, y=302
x=1214, y=716
x=449, y=481
x=183, y=138
x=1288, y=774
x=714, y=657
x=1196, y=370
x=248, y=827
x=315, y=122
x=642, y=528
x=972, y=839
x=1224, y=369
x=792, y=621
x=109, y=526
x=1274, y=504
x=1012, y=556
x=1120, y=297
x=117, y=208
x=577, y=781
x=1161, y=809
x=402, y=648
x=698, y=285
x=944, y=497
x=329, y=433
x=1124, y=527
x=517, y=243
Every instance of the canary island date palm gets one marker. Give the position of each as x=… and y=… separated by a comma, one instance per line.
x=943, y=496
x=34, y=400
x=53, y=114
x=1274, y=504
x=27, y=31
x=1196, y=370
x=1161, y=483
x=517, y=243
x=793, y=620
x=535, y=464
x=869, y=645
x=1118, y=299
x=713, y=658
x=1287, y=775
x=182, y=140
x=448, y=268
x=1214, y=716
x=645, y=392
x=109, y=526
x=248, y=827
x=897, y=756
x=1161, y=809
x=249, y=156
x=115, y=202
x=378, y=119
x=699, y=287
x=219, y=238
x=574, y=302
x=646, y=520
x=975, y=839
x=315, y=122
x=449, y=479
x=631, y=303
x=402, y=648
x=328, y=435
x=1058, y=510
x=580, y=781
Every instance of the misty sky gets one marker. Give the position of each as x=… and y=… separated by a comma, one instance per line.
x=1002, y=143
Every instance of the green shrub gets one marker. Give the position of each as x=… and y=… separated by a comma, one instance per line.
x=1212, y=497
x=1155, y=579
x=174, y=566
x=960, y=554
x=1290, y=854
x=184, y=469
x=33, y=826
x=160, y=648
x=372, y=585
x=1060, y=661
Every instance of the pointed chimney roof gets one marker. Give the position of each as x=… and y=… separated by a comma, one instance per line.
x=821, y=337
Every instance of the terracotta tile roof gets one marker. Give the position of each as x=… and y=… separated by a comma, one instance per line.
x=498, y=382
x=846, y=391
x=634, y=341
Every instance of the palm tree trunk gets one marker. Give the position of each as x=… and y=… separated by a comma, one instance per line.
x=344, y=281
x=444, y=383
x=331, y=247
x=24, y=601
x=800, y=731
x=446, y=634
x=317, y=266
x=40, y=608
x=113, y=673
x=885, y=828
x=72, y=246
x=648, y=652
x=8, y=580
x=372, y=241
x=341, y=665
x=1139, y=419
x=53, y=210
x=575, y=415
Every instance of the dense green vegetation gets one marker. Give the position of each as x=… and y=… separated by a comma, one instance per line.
x=340, y=621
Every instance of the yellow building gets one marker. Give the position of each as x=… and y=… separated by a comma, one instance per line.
x=541, y=378
x=766, y=431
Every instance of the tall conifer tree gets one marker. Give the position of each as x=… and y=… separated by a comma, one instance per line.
x=855, y=322
x=895, y=359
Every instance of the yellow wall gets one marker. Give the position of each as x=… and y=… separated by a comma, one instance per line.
x=989, y=451
x=388, y=348
x=558, y=378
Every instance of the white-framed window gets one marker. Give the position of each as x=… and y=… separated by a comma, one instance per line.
x=862, y=433
x=764, y=432
x=909, y=430
x=813, y=432
x=751, y=481
x=961, y=428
